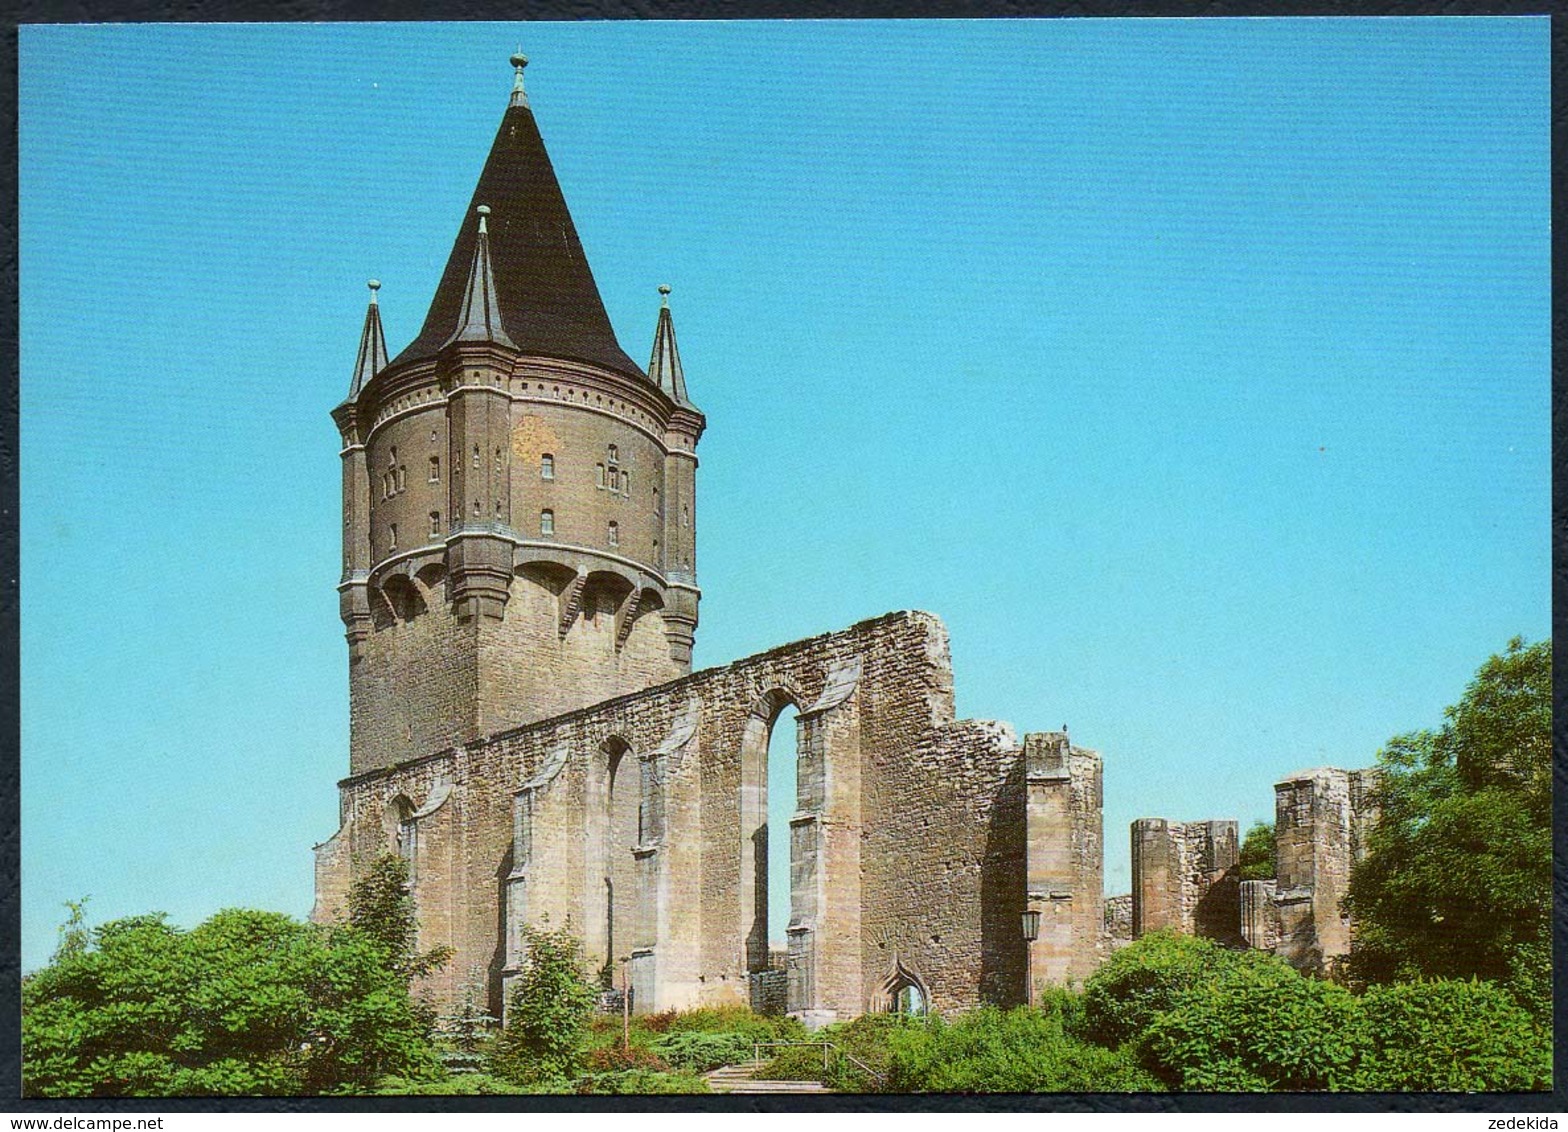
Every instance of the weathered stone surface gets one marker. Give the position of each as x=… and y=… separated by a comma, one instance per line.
x=911, y=847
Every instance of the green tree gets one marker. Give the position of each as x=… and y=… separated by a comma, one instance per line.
x=1257, y=852
x=546, y=1031
x=1456, y=883
x=381, y=909
x=247, y=1003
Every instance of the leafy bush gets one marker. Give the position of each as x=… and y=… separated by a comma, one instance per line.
x=1144, y=979
x=546, y=1033
x=614, y=1059
x=1257, y=1024
x=734, y=1020
x=1451, y=1037
x=1019, y=1050
x=246, y=1003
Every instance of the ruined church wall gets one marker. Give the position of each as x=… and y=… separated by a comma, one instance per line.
x=912, y=829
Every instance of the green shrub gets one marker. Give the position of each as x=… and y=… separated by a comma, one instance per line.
x=641, y=1081
x=1256, y=1024
x=1016, y=1051
x=733, y=1020
x=698, y=1051
x=1451, y=1036
x=1142, y=980
x=546, y=1034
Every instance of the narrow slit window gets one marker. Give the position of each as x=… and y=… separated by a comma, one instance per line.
x=402, y=477
x=547, y=467
x=435, y=523
x=615, y=533
x=435, y=469
x=547, y=522
x=476, y=457
x=476, y=508
x=615, y=454
x=626, y=484
x=598, y=475
x=392, y=537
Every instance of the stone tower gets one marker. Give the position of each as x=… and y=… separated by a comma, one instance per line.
x=519, y=497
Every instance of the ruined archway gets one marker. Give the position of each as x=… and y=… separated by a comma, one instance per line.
x=767, y=802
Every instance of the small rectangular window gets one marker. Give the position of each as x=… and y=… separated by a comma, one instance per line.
x=598, y=475
x=547, y=522
x=402, y=477
x=615, y=534
x=435, y=523
x=435, y=469
x=547, y=467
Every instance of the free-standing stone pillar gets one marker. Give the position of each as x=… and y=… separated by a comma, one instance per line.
x=1065, y=857
x=1321, y=818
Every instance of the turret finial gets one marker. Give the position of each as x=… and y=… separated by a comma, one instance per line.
x=484, y=211
x=519, y=61
x=664, y=290
x=374, y=285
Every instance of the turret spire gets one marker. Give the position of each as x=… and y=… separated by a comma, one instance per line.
x=479, y=318
x=665, y=367
x=372, y=346
x=519, y=95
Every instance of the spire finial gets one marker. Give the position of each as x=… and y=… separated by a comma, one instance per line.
x=519, y=61
x=664, y=290
x=374, y=285
x=484, y=211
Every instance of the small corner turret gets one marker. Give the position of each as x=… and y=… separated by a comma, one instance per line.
x=353, y=599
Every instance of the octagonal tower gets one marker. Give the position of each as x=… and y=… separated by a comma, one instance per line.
x=519, y=497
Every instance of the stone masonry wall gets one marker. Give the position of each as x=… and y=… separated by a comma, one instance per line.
x=909, y=843
x=1184, y=878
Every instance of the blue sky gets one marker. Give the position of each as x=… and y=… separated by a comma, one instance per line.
x=1195, y=372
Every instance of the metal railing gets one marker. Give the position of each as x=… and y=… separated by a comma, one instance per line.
x=828, y=1050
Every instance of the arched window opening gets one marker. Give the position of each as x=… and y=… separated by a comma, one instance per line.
x=908, y=1000
x=435, y=523
x=626, y=484
x=497, y=461
x=768, y=799
x=547, y=522
x=615, y=533
x=476, y=508
x=547, y=467
x=435, y=469
x=391, y=536
x=498, y=510
x=476, y=457
x=782, y=778
x=402, y=477
x=615, y=454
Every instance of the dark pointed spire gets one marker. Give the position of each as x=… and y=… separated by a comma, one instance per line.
x=664, y=370
x=543, y=286
x=479, y=319
x=372, y=346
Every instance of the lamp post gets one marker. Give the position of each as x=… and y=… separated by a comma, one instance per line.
x=626, y=1005
x=1031, y=926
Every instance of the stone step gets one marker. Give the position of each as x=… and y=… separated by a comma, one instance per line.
x=739, y=1079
